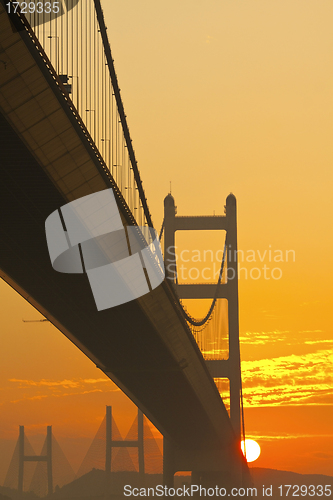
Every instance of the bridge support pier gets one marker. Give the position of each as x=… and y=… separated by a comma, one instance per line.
x=195, y=477
x=223, y=467
x=168, y=463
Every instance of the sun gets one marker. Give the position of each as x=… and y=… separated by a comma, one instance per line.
x=252, y=449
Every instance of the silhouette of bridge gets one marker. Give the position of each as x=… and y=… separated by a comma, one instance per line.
x=108, y=451
x=65, y=135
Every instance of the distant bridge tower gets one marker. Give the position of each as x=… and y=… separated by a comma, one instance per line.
x=229, y=368
x=36, y=458
x=110, y=443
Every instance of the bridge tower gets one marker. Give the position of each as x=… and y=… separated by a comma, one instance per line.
x=229, y=368
x=36, y=458
x=111, y=443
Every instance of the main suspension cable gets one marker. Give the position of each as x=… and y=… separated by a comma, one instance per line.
x=161, y=232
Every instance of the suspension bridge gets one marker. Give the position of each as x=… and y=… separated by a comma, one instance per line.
x=65, y=135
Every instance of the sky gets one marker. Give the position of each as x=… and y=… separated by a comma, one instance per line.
x=221, y=96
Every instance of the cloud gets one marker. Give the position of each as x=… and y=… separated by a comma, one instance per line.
x=265, y=338
x=61, y=395
x=310, y=342
x=289, y=380
x=256, y=338
x=282, y=436
x=310, y=331
x=46, y=388
x=33, y=398
x=58, y=383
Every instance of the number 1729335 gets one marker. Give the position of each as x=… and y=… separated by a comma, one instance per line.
x=32, y=7
x=295, y=490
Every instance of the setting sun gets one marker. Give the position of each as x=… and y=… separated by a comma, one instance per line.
x=252, y=450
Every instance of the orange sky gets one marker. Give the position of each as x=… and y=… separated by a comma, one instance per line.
x=220, y=96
